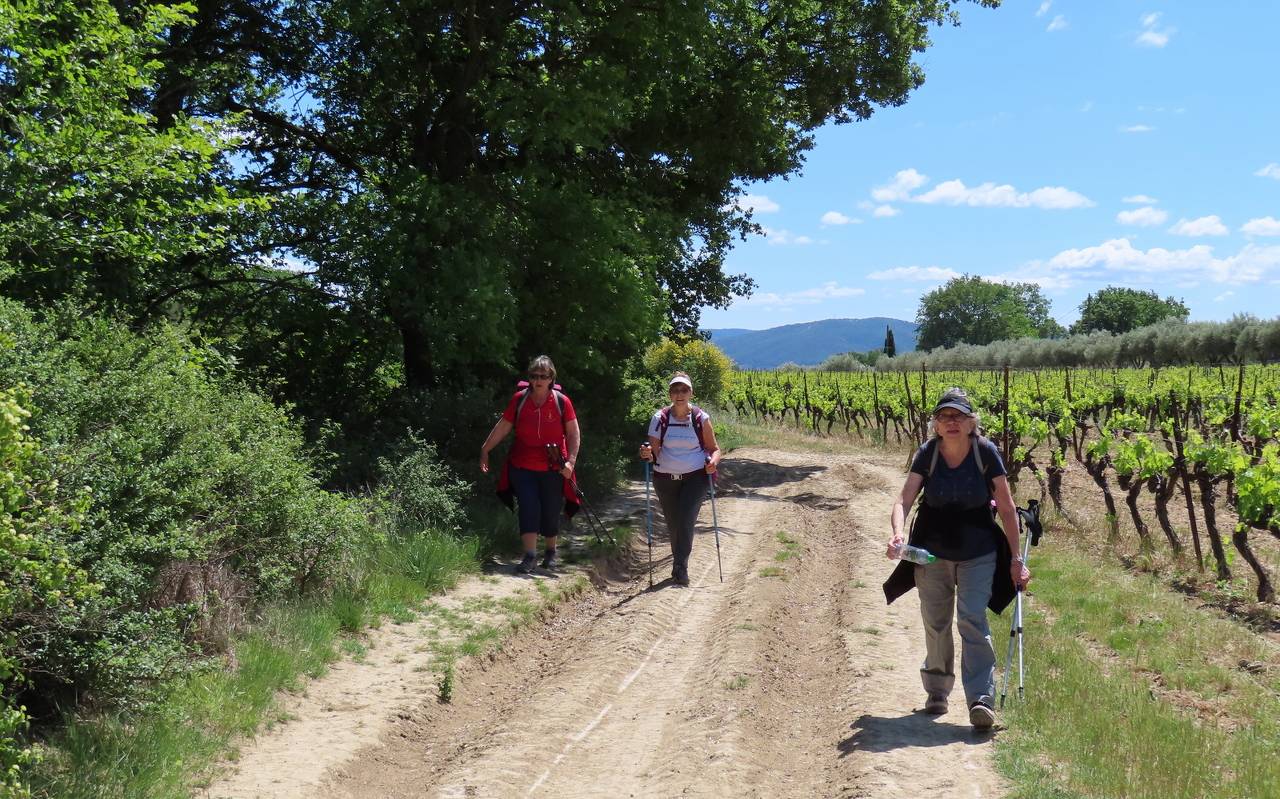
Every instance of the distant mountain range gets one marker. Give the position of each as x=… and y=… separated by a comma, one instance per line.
x=810, y=343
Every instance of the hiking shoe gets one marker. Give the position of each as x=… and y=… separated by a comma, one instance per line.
x=681, y=578
x=935, y=705
x=527, y=563
x=550, y=561
x=981, y=716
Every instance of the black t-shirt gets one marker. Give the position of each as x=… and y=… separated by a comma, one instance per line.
x=956, y=523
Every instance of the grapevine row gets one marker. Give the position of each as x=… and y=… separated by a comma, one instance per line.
x=1192, y=431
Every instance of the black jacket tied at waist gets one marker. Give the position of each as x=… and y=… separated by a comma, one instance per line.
x=903, y=578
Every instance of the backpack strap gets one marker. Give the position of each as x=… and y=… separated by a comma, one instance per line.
x=696, y=417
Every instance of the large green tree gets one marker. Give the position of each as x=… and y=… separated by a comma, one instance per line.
x=1116, y=309
x=100, y=203
x=971, y=310
x=409, y=199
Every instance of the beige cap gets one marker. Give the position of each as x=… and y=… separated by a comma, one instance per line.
x=680, y=379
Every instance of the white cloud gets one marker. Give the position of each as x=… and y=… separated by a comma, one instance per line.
x=954, y=192
x=1143, y=217
x=782, y=237
x=1059, y=23
x=1264, y=226
x=1224, y=296
x=906, y=181
x=1197, y=263
x=837, y=218
x=1140, y=199
x=813, y=296
x=1044, y=8
x=1086, y=107
x=935, y=274
x=1150, y=37
x=1136, y=129
x=1269, y=171
x=883, y=211
x=1204, y=226
x=757, y=203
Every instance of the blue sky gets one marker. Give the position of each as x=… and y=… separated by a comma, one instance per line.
x=1074, y=144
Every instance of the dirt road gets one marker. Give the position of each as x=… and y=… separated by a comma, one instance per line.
x=789, y=679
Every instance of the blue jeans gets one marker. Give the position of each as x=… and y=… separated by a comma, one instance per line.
x=539, y=499
x=962, y=586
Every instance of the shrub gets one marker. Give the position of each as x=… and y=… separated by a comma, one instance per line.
x=707, y=365
x=37, y=579
x=200, y=501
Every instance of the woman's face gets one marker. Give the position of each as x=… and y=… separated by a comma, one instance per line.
x=679, y=392
x=951, y=423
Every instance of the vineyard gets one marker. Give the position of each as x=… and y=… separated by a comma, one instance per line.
x=1144, y=436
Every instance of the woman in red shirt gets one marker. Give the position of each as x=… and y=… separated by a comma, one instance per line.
x=540, y=415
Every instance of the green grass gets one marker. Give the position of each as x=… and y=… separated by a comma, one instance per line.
x=737, y=683
x=790, y=548
x=1134, y=692
x=772, y=571
x=166, y=749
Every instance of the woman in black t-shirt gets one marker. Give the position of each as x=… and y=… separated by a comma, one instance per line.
x=977, y=563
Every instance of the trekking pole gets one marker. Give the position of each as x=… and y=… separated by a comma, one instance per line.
x=648, y=520
x=1032, y=516
x=715, y=522
x=556, y=458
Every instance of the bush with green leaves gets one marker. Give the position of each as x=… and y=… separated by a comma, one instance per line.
x=200, y=502
x=418, y=492
x=707, y=365
x=38, y=582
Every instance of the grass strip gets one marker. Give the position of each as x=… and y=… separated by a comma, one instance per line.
x=166, y=749
x=1132, y=692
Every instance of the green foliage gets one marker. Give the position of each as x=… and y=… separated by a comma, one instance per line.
x=890, y=348
x=852, y=361
x=198, y=495
x=99, y=203
x=1243, y=339
x=419, y=493
x=1115, y=309
x=707, y=365
x=38, y=581
x=970, y=310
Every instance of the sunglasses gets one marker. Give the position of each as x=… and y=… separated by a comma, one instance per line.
x=951, y=417
x=539, y=376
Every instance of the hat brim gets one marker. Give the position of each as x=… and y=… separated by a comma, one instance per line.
x=682, y=381
x=967, y=409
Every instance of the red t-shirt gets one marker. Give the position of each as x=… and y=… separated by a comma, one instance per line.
x=538, y=426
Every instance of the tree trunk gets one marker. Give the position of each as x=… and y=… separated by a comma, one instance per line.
x=1210, y=513
x=1162, y=488
x=419, y=372
x=1132, y=489
x=1266, y=593
x=1098, y=471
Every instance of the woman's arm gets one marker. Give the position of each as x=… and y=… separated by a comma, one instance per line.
x=573, y=439
x=1009, y=521
x=898, y=515
x=499, y=432
x=713, y=448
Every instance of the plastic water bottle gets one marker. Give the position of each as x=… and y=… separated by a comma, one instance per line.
x=915, y=554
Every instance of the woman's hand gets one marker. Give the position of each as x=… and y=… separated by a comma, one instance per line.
x=484, y=461
x=567, y=471
x=895, y=543
x=713, y=463
x=646, y=452
x=1019, y=572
